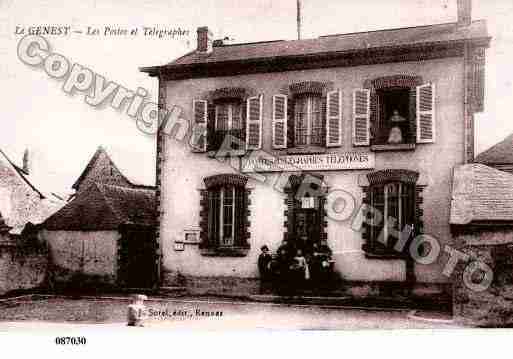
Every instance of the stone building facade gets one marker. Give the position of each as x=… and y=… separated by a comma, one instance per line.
x=380, y=118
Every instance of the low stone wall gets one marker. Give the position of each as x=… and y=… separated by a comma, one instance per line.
x=22, y=267
x=492, y=307
x=81, y=259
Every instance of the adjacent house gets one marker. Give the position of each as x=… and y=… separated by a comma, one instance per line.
x=291, y=138
x=482, y=225
x=23, y=205
x=21, y=201
x=106, y=233
x=499, y=156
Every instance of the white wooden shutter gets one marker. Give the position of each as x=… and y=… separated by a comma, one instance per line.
x=200, y=111
x=426, y=113
x=254, y=123
x=334, y=119
x=361, y=117
x=280, y=121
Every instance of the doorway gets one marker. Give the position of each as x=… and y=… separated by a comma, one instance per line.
x=138, y=261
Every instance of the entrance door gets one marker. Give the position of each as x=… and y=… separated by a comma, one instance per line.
x=138, y=261
x=307, y=224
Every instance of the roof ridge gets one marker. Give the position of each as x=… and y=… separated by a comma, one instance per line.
x=400, y=28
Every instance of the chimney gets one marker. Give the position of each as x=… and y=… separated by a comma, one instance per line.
x=205, y=40
x=464, y=12
x=26, y=161
x=298, y=19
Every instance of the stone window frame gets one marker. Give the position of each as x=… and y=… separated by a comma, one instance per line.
x=305, y=89
x=380, y=178
x=238, y=95
x=294, y=181
x=409, y=81
x=242, y=246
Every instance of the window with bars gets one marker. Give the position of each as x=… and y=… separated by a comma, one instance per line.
x=308, y=121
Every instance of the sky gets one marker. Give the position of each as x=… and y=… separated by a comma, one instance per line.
x=62, y=132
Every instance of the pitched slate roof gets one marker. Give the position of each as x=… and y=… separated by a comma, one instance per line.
x=481, y=194
x=499, y=154
x=138, y=169
x=105, y=207
x=340, y=43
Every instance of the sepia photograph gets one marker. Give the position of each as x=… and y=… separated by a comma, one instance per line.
x=278, y=166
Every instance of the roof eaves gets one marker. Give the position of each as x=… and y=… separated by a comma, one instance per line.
x=178, y=68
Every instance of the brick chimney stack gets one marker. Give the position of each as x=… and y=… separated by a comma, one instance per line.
x=26, y=161
x=464, y=12
x=205, y=40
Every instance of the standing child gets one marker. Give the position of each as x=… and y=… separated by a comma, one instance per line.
x=302, y=265
x=264, y=263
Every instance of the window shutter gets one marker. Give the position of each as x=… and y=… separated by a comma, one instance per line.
x=426, y=113
x=361, y=117
x=254, y=123
x=334, y=119
x=280, y=121
x=200, y=110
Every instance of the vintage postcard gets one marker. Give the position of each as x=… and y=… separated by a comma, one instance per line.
x=229, y=165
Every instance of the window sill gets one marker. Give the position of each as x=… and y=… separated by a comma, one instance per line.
x=225, y=252
x=381, y=254
x=233, y=153
x=307, y=150
x=398, y=147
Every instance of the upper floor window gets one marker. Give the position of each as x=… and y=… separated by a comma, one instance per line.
x=310, y=116
x=228, y=116
x=395, y=125
x=228, y=112
x=309, y=125
x=394, y=112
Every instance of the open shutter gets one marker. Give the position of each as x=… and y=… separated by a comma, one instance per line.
x=334, y=119
x=254, y=123
x=200, y=111
x=426, y=113
x=361, y=117
x=280, y=121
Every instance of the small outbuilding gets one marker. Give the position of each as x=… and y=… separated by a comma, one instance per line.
x=105, y=236
x=482, y=224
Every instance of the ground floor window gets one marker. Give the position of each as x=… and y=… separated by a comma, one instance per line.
x=224, y=212
x=394, y=211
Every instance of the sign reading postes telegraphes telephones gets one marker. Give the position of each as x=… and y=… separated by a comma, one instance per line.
x=260, y=161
